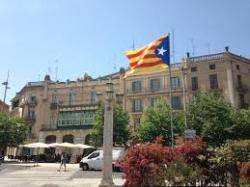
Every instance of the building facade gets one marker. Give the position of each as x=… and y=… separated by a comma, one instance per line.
x=64, y=111
x=226, y=73
x=4, y=107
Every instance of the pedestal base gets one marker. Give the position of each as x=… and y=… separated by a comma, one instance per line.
x=107, y=183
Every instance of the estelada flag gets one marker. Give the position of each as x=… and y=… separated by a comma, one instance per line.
x=152, y=57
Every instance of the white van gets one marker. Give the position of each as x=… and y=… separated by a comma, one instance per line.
x=95, y=159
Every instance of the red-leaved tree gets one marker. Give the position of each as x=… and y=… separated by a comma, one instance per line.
x=245, y=172
x=149, y=164
x=145, y=164
x=190, y=150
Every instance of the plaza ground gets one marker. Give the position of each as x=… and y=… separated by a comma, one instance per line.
x=46, y=175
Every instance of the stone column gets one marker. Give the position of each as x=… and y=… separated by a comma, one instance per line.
x=107, y=178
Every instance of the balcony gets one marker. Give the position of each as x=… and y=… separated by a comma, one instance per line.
x=139, y=110
x=149, y=90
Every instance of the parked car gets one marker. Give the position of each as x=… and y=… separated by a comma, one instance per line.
x=94, y=160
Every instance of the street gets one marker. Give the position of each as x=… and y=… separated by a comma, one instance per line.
x=46, y=175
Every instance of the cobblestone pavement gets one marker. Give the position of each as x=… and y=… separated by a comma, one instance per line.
x=46, y=175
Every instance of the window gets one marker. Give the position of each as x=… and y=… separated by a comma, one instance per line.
x=193, y=69
x=137, y=106
x=68, y=138
x=239, y=81
x=119, y=99
x=194, y=82
x=136, y=86
x=137, y=122
x=54, y=98
x=33, y=98
x=155, y=84
x=213, y=81
x=93, y=97
x=94, y=155
x=176, y=102
x=238, y=67
x=31, y=114
x=72, y=98
x=154, y=101
x=212, y=66
x=175, y=82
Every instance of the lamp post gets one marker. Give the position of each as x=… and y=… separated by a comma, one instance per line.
x=6, y=85
x=107, y=179
x=189, y=134
x=184, y=75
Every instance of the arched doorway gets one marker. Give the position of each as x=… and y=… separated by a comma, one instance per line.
x=50, y=151
x=68, y=138
x=50, y=139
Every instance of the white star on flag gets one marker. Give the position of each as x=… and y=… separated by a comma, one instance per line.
x=161, y=51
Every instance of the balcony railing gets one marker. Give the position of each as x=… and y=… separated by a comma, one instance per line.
x=139, y=110
x=151, y=90
x=206, y=57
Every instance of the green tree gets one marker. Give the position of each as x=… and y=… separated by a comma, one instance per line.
x=212, y=117
x=156, y=122
x=227, y=161
x=120, y=128
x=242, y=124
x=12, y=131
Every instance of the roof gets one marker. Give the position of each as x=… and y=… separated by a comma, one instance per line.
x=216, y=56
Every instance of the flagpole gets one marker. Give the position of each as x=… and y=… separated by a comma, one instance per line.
x=170, y=94
x=171, y=107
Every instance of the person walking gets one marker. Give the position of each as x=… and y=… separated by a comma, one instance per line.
x=63, y=161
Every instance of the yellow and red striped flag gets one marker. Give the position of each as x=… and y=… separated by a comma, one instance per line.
x=152, y=57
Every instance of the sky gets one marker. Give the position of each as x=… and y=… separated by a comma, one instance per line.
x=77, y=36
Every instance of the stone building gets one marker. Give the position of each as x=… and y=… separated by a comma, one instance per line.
x=225, y=72
x=4, y=107
x=64, y=111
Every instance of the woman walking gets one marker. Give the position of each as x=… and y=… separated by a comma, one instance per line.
x=63, y=161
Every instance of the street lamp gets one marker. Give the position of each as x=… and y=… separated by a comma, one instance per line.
x=189, y=134
x=110, y=91
x=107, y=179
x=184, y=70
